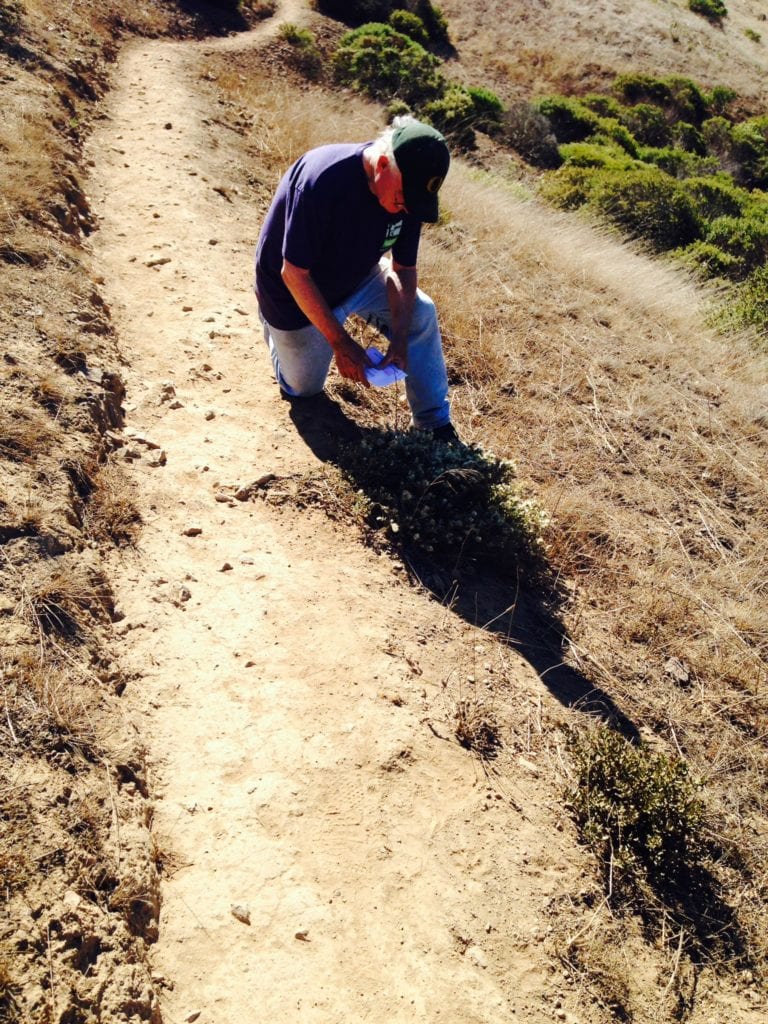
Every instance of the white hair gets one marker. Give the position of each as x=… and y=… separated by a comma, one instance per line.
x=383, y=144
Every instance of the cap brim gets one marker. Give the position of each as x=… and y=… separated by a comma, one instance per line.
x=424, y=207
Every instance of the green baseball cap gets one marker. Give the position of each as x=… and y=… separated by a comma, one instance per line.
x=423, y=159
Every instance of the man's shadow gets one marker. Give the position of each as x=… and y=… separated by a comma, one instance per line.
x=524, y=612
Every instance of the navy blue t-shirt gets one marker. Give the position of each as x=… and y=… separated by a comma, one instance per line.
x=325, y=219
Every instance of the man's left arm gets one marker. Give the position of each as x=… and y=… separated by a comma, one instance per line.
x=401, y=295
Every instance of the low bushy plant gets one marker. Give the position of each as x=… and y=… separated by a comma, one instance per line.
x=716, y=196
x=410, y=25
x=749, y=140
x=570, y=120
x=745, y=238
x=648, y=204
x=434, y=22
x=445, y=498
x=641, y=812
x=647, y=124
x=749, y=306
x=454, y=115
x=678, y=163
x=710, y=260
x=383, y=63
x=596, y=153
x=306, y=55
x=611, y=129
x=713, y=10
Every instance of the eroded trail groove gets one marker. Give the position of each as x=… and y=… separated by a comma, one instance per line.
x=328, y=856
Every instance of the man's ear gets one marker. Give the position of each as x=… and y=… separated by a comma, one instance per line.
x=382, y=162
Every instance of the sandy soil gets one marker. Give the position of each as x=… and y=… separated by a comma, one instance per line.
x=331, y=852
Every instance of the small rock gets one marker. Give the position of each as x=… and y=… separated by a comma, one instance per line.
x=477, y=956
x=678, y=671
x=184, y=594
x=226, y=567
x=192, y=1016
x=186, y=309
x=222, y=498
x=176, y=404
x=210, y=415
x=159, y=261
x=72, y=900
x=213, y=241
x=242, y=912
x=192, y=531
x=159, y=458
x=168, y=127
x=302, y=936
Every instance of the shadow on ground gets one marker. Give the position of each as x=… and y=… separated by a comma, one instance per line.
x=522, y=611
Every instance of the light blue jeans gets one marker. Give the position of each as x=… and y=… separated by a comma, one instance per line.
x=302, y=358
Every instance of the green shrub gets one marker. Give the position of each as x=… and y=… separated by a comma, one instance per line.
x=639, y=88
x=410, y=25
x=488, y=108
x=710, y=260
x=749, y=141
x=384, y=63
x=603, y=106
x=454, y=115
x=306, y=56
x=612, y=129
x=444, y=498
x=750, y=33
x=596, y=153
x=715, y=196
x=719, y=98
x=714, y=10
x=571, y=121
x=749, y=306
x=569, y=187
x=647, y=204
x=686, y=100
x=677, y=162
x=745, y=238
x=639, y=811
x=647, y=124
x=11, y=12
x=687, y=136
x=530, y=133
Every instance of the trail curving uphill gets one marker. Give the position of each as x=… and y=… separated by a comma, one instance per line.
x=330, y=852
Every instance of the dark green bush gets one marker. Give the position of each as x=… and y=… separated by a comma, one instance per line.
x=639, y=88
x=686, y=100
x=745, y=238
x=749, y=141
x=749, y=307
x=713, y=10
x=716, y=196
x=677, y=162
x=719, y=98
x=410, y=25
x=612, y=129
x=384, y=63
x=711, y=260
x=647, y=204
x=596, y=153
x=488, y=108
x=687, y=136
x=530, y=133
x=454, y=115
x=444, y=498
x=570, y=187
x=571, y=121
x=639, y=811
x=603, y=106
x=647, y=124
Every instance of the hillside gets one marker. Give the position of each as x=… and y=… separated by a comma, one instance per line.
x=258, y=758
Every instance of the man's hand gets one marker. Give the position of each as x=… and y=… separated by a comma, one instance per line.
x=397, y=354
x=351, y=360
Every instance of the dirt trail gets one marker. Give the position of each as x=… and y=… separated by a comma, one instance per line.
x=283, y=674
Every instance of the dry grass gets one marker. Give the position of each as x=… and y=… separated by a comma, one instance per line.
x=111, y=513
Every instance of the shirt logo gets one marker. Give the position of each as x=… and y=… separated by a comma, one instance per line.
x=392, y=235
x=433, y=185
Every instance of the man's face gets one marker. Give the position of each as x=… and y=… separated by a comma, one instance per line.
x=387, y=185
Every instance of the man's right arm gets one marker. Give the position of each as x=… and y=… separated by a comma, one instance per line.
x=351, y=359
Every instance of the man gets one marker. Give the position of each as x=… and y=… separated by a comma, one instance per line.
x=342, y=237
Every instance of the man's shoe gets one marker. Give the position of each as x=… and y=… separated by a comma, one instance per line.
x=446, y=433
